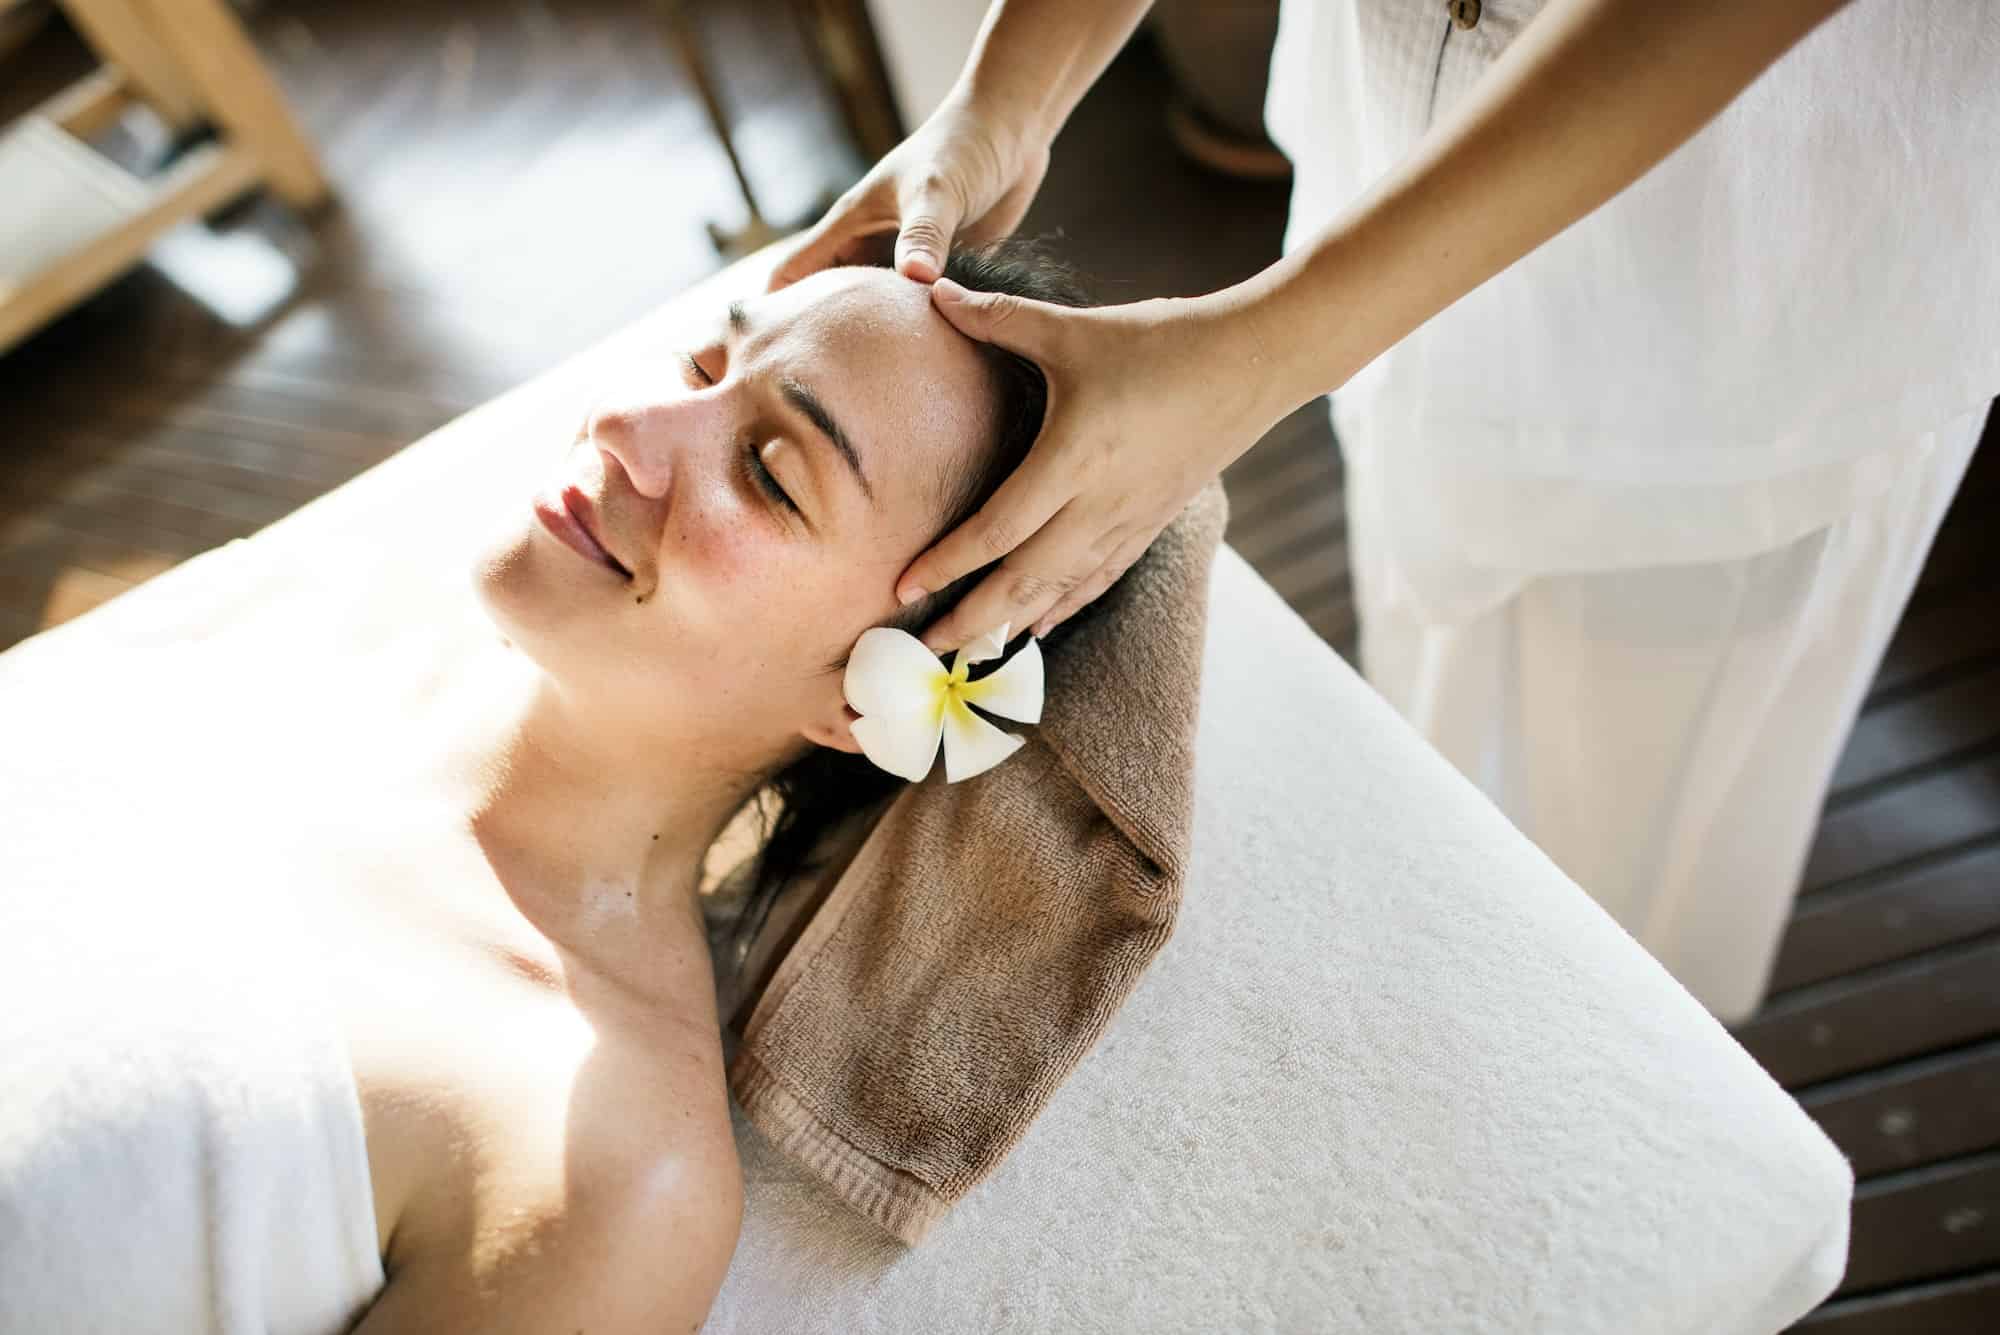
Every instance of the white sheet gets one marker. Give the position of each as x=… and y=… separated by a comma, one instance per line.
x=1393, y=1073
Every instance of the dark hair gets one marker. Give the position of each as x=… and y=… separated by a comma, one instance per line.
x=822, y=788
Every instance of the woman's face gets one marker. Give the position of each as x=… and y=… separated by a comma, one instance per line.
x=755, y=494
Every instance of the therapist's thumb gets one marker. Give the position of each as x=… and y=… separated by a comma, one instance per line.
x=1000, y=318
x=929, y=223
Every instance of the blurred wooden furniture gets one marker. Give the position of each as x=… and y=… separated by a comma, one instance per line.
x=76, y=220
x=20, y=20
x=841, y=47
x=848, y=54
x=1220, y=57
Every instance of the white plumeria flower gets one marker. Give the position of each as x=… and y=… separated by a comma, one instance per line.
x=909, y=701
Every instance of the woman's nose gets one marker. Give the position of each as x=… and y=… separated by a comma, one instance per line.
x=647, y=435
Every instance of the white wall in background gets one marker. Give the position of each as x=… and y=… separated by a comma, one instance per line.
x=924, y=44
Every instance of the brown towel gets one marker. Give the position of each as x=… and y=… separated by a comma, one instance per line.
x=985, y=932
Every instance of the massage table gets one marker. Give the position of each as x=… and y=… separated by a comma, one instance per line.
x=1393, y=1071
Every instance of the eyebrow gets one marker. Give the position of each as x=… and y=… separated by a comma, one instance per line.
x=803, y=399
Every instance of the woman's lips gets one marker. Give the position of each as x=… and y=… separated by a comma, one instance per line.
x=567, y=514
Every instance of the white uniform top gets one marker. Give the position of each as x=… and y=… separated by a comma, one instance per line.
x=1728, y=355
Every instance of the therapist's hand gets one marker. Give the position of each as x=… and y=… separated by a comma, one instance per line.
x=966, y=174
x=1147, y=403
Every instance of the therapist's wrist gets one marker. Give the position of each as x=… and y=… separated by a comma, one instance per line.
x=1258, y=344
x=1014, y=117
x=1033, y=60
x=1214, y=362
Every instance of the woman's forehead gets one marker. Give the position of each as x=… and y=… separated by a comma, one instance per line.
x=874, y=346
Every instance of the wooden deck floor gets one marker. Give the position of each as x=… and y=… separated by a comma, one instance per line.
x=1885, y=1013
x=517, y=180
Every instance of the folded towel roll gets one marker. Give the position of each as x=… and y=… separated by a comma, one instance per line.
x=980, y=939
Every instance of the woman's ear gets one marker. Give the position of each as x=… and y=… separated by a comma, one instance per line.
x=836, y=731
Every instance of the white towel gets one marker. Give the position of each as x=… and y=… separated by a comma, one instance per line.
x=181, y=1144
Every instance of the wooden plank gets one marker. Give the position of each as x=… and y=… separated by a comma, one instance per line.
x=256, y=464
x=1308, y=567
x=90, y=104
x=48, y=575
x=166, y=460
x=1913, y=1113
x=39, y=574
x=1920, y=728
x=1966, y=554
x=410, y=405
x=1949, y=635
x=1316, y=517
x=122, y=34
x=305, y=431
x=1304, y=472
x=128, y=471
x=1334, y=621
x=1285, y=538
x=76, y=590
x=1924, y=1224
x=31, y=567
x=16, y=625
x=1887, y=825
x=1327, y=589
x=1960, y=1306
x=1937, y=1000
x=1916, y=906
x=1301, y=429
x=134, y=535
x=349, y=419
x=216, y=58
x=1961, y=557
x=40, y=539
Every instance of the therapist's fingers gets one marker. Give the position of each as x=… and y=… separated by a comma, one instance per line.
x=1021, y=589
x=1014, y=513
x=1033, y=329
x=931, y=214
x=857, y=232
x=1088, y=592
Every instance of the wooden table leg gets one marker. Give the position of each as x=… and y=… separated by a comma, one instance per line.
x=122, y=33
x=204, y=39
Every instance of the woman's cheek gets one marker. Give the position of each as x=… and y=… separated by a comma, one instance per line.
x=747, y=568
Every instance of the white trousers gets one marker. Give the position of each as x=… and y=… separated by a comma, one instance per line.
x=1667, y=734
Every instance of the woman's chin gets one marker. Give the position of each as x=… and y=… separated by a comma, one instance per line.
x=512, y=581
x=540, y=595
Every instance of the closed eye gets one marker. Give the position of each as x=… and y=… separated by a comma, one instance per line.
x=766, y=480
x=753, y=461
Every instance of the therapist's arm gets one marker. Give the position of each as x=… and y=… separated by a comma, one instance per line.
x=1150, y=401
x=969, y=172
x=1592, y=95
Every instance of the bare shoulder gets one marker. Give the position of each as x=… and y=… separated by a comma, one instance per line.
x=596, y=1188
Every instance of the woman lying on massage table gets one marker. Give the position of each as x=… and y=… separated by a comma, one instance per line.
x=509, y=916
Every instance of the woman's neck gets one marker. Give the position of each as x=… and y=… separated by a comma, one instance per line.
x=595, y=832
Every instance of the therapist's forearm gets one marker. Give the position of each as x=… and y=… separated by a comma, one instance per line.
x=1034, y=59
x=1590, y=96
